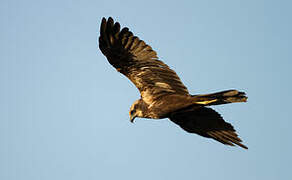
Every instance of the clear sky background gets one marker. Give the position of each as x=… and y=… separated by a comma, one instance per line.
x=64, y=109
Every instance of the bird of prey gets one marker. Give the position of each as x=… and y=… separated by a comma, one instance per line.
x=163, y=95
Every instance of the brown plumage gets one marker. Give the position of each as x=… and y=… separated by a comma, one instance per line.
x=163, y=95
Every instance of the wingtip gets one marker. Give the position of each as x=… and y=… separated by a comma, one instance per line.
x=110, y=19
x=103, y=26
x=243, y=146
x=104, y=19
x=106, y=24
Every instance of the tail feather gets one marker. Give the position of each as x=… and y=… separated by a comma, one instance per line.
x=223, y=97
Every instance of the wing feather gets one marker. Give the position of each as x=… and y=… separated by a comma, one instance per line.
x=207, y=123
x=138, y=61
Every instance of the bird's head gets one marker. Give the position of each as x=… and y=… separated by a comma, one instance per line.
x=136, y=110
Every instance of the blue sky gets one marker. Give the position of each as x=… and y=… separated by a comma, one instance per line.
x=64, y=109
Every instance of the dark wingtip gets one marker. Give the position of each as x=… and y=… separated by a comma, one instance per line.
x=243, y=146
x=110, y=21
x=106, y=21
x=103, y=25
x=105, y=29
x=104, y=18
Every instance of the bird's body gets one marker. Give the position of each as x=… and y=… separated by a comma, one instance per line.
x=163, y=95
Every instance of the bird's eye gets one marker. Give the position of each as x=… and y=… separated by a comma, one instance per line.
x=132, y=112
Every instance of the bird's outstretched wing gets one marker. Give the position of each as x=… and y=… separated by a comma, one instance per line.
x=207, y=123
x=136, y=60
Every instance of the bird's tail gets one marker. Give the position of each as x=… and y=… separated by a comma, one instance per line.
x=223, y=97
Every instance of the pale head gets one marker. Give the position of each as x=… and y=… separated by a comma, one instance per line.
x=137, y=109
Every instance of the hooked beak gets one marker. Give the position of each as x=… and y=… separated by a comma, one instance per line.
x=132, y=118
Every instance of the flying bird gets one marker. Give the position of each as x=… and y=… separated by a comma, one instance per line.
x=163, y=95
